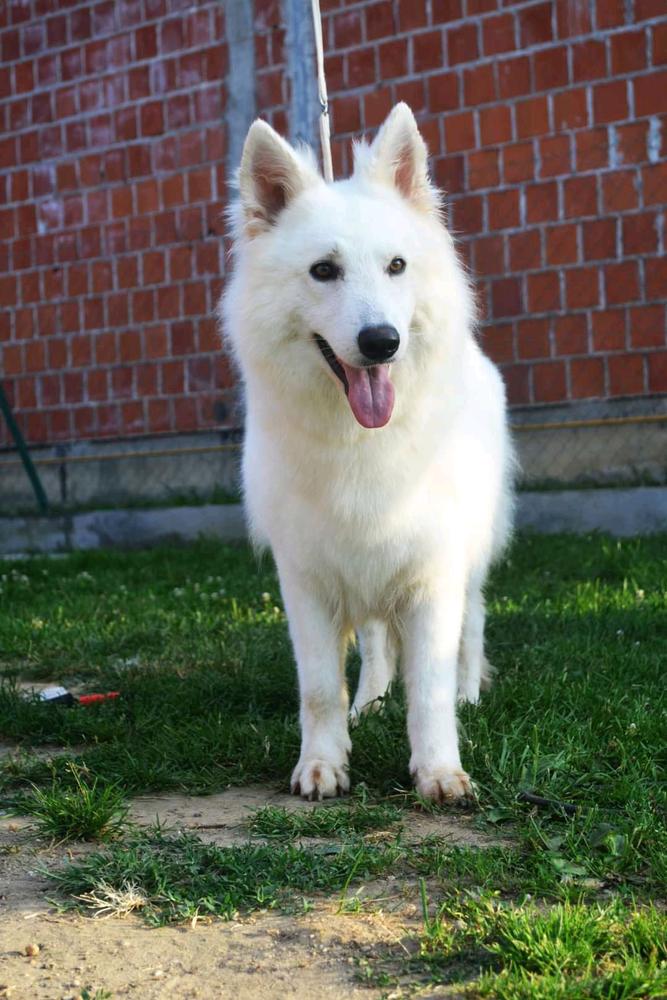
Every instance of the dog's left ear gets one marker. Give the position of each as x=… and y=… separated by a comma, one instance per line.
x=398, y=157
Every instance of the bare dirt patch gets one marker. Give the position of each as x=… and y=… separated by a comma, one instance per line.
x=267, y=955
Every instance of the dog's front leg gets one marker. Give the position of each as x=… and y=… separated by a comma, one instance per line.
x=319, y=650
x=432, y=633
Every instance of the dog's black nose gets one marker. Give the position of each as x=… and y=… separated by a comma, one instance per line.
x=378, y=343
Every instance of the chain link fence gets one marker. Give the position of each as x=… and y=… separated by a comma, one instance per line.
x=204, y=468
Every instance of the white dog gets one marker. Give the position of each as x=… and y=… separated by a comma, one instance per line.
x=377, y=460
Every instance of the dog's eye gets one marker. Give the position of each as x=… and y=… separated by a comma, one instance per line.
x=325, y=270
x=397, y=266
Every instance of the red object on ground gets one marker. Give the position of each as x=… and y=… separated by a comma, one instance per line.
x=91, y=699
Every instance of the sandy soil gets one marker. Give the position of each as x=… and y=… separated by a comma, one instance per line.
x=264, y=957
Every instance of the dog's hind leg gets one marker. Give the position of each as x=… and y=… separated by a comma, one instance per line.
x=378, y=666
x=474, y=670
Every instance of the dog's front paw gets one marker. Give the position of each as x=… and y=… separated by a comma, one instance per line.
x=315, y=778
x=443, y=784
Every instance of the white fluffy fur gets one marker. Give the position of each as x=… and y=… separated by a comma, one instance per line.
x=386, y=532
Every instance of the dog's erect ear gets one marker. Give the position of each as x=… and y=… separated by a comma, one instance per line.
x=270, y=176
x=398, y=157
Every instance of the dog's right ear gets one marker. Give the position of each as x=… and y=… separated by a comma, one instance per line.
x=270, y=176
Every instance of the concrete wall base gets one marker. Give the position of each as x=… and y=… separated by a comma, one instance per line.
x=621, y=512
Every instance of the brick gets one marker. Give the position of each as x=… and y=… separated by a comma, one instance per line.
x=495, y=125
x=656, y=278
x=462, y=44
x=649, y=93
x=654, y=182
x=647, y=326
x=506, y=297
x=12, y=359
x=379, y=20
x=172, y=377
x=413, y=92
x=514, y=77
x=483, y=169
x=503, y=209
x=589, y=60
x=447, y=10
x=143, y=306
x=443, y=92
x=549, y=383
x=591, y=149
x=640, y=234
x=619, y=191
x=657, y=372
x=659, y=36
x=543, y=292
x=610, y=13
x=498, y=34
x=628, y=52
x=516, y=378
x=525, y=251
x=550, y=69
x=573, y=20
x=488, y=255
x=346, y=114
x=582, y=289
x=570, y=334
x=541, y=202
x=393, y=58
x=449, y=172
x=479, y=85
x=561, y=244
x=586, y=378
x=610, y=102
x=377, y=106
x=459, y=132
x=361, y=66
x=532, y=117
x=467, y=214
x=608, y=330
x=570, y=109
x=533, y=339
x=580, y=196
x=621, y=282
x=427, y=52
x=599, y=239
x=648, y=8
x=347, y=30
x=626, y=375
x=555, y=156
x=498, y=342
x=146, y=380
x=535, y=24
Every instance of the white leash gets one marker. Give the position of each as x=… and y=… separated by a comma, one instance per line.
x=325, y=128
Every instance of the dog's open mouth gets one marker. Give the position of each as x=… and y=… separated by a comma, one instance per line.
x=369, y=391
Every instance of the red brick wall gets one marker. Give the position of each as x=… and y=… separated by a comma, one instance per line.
x=544, y=121
x=545, y=128
x=111, y=188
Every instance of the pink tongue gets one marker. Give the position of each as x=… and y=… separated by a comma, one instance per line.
x=370, y=394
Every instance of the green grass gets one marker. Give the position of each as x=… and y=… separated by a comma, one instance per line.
x=333, y=821
x=87, y=810
x=195, y=640
x=568, y=951
x=177, y=877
